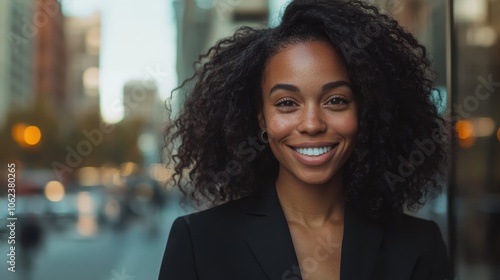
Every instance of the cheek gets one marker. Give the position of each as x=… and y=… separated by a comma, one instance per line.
x=279, y=126
x=346, y=126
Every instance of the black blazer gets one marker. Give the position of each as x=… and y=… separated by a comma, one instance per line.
x=249, y=239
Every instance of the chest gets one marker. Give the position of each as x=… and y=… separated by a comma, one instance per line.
x=318, y=252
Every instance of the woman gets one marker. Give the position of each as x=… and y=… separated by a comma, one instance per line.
x=340, y=100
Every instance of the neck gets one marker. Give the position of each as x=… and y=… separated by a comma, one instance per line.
x=312, y=206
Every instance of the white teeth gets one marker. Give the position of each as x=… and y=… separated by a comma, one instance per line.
x=314, y=151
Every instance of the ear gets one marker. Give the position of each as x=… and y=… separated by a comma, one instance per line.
x=262, y=121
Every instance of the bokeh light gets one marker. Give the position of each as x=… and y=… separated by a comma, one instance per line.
x=464, y=129
x=465, y=133
x=84, y=203
x=89, y=176
x=86, y=225
x=91, y=78
x=128, y=168
x=54, y=191
x=159, y=172
x=483, y=127
x=32, y=135
x=26, y=135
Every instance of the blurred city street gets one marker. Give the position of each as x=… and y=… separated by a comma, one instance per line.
x=104, y=256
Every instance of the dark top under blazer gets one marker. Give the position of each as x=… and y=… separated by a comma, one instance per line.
x=249, y=239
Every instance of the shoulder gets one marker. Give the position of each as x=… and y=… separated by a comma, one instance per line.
x=416, y=226
x=420, y=240
x=409, y=222
x=412, y=239
x=218, y=231
x=224, y=215
x=420, y=232
x=417, y=245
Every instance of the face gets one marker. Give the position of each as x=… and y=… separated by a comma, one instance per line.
x=309, y=112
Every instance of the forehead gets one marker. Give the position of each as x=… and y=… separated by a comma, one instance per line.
x=314, y=60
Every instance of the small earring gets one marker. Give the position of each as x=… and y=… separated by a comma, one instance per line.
x=263, y=137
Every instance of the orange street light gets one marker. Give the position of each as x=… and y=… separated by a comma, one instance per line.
x=465, y=133
x=32, y=135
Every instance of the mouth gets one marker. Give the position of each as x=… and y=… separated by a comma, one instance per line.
x=314, y=154
x=314, y=151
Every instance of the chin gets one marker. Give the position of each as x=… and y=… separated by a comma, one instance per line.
x=315, y=179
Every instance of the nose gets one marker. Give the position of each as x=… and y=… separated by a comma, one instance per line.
x=312, y=121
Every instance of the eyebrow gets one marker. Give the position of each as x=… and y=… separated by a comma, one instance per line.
x=325, y=87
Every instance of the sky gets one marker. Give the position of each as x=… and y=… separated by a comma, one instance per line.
x=138, y=43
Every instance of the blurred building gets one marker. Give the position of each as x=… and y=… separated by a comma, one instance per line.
x=83, y=48
x=144, y=107
x=200, y=24
x=142, y=102
x=50, y=54
x=16, y=54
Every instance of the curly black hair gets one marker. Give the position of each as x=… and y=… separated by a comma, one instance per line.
x=400, y=147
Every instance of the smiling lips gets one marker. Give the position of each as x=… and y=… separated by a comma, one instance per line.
x=314, y=151
x=314, y=155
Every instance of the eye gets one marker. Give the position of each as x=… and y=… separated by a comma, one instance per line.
x=285, y=102
x=336, y=101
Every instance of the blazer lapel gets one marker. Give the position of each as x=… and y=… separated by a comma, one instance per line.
x=268, y=236
x=360, y=247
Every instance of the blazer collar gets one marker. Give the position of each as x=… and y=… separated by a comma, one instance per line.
x=270, y=240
